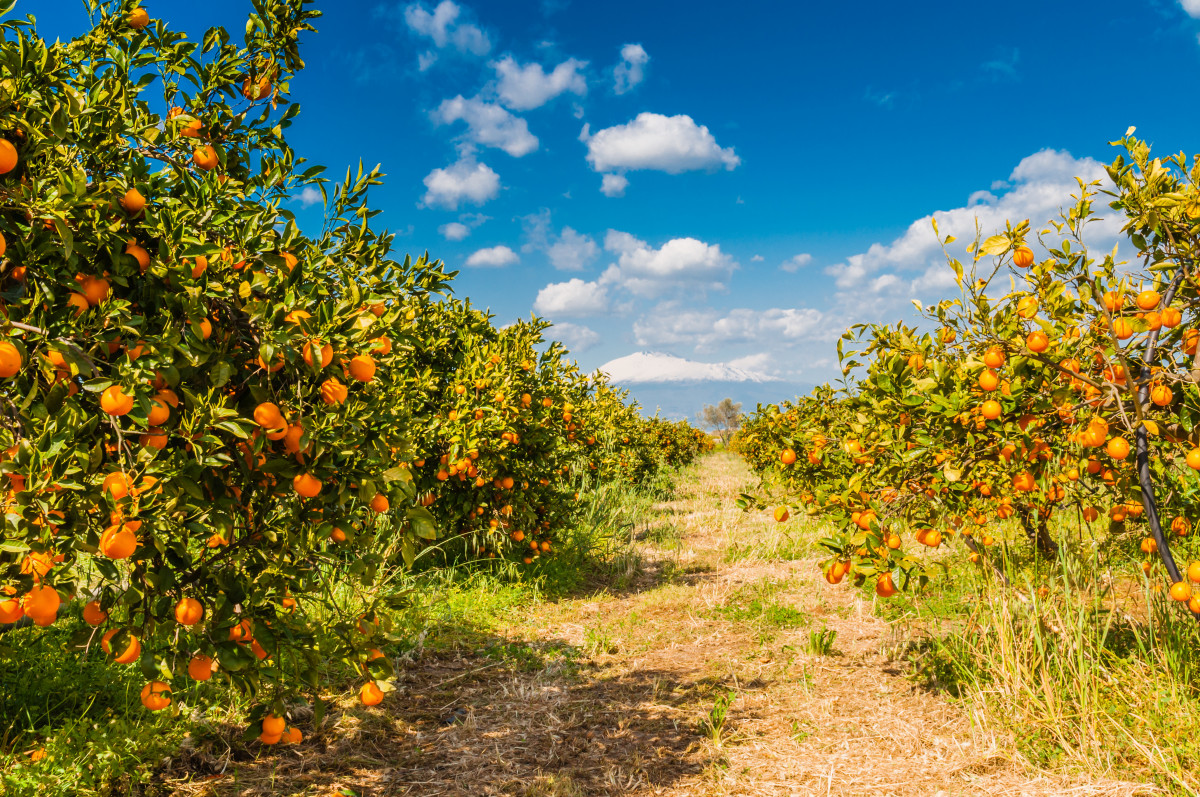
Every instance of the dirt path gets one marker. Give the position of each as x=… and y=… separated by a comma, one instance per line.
x=621, y=693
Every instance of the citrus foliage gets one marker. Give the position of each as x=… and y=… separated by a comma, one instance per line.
x=211, y=419
x=1070, y=396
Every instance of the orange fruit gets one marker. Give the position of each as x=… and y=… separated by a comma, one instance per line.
x=1161, y=395
x=884, y=587
x=139, y=254
x=337, y=535
x=1171, y=317
x=383, y=345
x=189, y=611
x=1122, y=328
x=199, y=267
x=256, y=90
x=1193, y=459
x=1027, y=306
x=159, y=412
x=273, y=726
x=268, y=416
x=989, y=380
x=362, y=368
x=137, y=18
x=1037, y=341
x=289, y=260
x=1181, y=591
x=315, y=347
x=133, y=202
x=156, y=695
x=79, y=302
x=93, y=615
x=990, y=410
x=306, y=485
x=293, y=736
x=268, y=739
x=205, y=158
x=787, y=456
x=1024, y=482
x=8, y=156
x=1193, y=572
x=1113, y=300
x=333, y=391
x=781, y=514
x=118, y=542
x=916, y=362
x=380, y=503
x=296, y=316
x=291, y=440
x=241, y=632
x=41, y=604
x=1117, y=448
x=1023, y=257
x=200, y=667
x=1148, y=300
x=131, y=652
x=95, y=289
x=370, y=694
x=114, y=401
x=10, y=359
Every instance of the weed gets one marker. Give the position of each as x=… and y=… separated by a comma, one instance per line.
x=713, y=726
x=820, y=642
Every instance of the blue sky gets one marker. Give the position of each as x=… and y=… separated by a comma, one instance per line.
x=769, y=167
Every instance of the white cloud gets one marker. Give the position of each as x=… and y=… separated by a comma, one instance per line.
x=571, y=298
x=796, y=262
x=668, y=325
x=650, y=367
x=488, y=124
x=877, y=283
x=672, y=144
x=757, y=259
x=492, y=257
x=631, y=70
x=613, y=185
x=524, y=88
x=444, y=28
x=572, y=251
x=677, y=264
x=577, y=337
x=454, y=231
x=309, y=196
x=463, y=181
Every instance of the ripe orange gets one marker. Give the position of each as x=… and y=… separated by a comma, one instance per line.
x=1181, y=591
x=41, y=604
x=293, y=736
x=131, y=652
x=370, y=694
x=189, y=611
x=116, y=484
x=1037, y=341
x=337, y=535
x=383, y=345
x=1181, y=526
x=306, y=485
x=1193, y=572
x=1148, y=300
x=916, y=362
x=1161, y=395
x=79, y=302
x=1027, y=306
x=95, y=289
x=1023, y=257
x=114, y=401
x=1122, y=328
x=156, y=695
x=205, y=158
x=989, y=380
x=8, y=156
x=242, y=632
x=1113, y=300
x=1193, y=459
x=138, y=18
x=268, y=739
x=200, y=668
x=781, y=514
x=268, y=416
x=159, y=412
x=273, y=726
x=1171, y=317
x=380, y=503
x=93, y=615
x=884, y=587
x=1024, y=482
x=118, y=542
x=333, y=391
x=1117, y=448
x=133, y=202
x=362, y=368
x=990, y=410
x=787, y=456
x=10, y=606
x=10, y=359
x=256, y=90
x=199, y=267
x=291, y=440
x=139, y=254
x=1190, y=338
x=314, y=348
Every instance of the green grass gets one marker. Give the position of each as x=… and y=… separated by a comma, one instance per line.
x=86, y=714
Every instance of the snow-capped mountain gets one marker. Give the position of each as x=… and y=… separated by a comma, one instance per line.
x=657, y=367
x=679, y=388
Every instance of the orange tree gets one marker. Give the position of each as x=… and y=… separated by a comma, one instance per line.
x=1071, y=395
x=217, y=429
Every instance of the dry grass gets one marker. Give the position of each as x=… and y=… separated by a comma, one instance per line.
x=621, y=700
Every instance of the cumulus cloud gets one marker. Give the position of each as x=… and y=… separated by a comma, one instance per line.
x=463, y=181
x=572, y=251
x=613, y=185
x=492, y=257
x=573, y=298
x=671, y=144
x=631, y=69
x=309, y=196
x=668, y=325
x=796, y=262
x=1192, y=7
x=488, y=124
x=577, y=337
x=445, y=29
x=882, y=279
x=679, y=263
x=524, y=88
x=454, y=231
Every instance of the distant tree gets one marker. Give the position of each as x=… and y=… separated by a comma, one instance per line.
x=724, y=418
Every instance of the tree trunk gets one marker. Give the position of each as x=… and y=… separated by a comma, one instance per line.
x=1035, y=528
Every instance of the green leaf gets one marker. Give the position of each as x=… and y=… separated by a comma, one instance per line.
x=994, y=245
